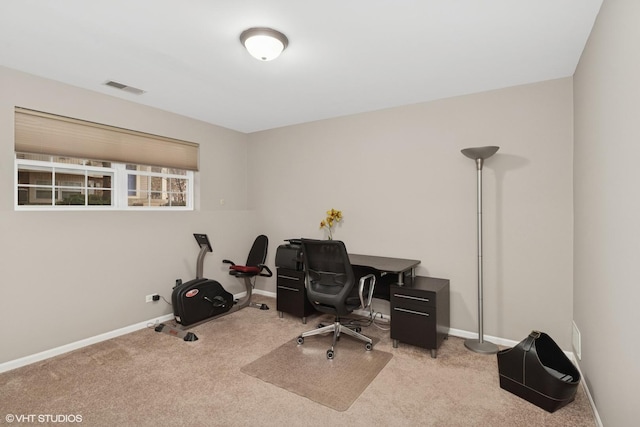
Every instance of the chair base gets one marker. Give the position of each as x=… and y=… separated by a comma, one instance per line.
x=337, y=328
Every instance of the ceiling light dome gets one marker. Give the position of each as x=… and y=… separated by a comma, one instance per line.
x=264, y=44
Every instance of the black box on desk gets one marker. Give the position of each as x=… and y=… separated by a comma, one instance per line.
x=538, y=371
x=289, y=256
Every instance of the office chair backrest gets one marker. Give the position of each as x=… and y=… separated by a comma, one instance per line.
x=258, y=252
x=329, y=275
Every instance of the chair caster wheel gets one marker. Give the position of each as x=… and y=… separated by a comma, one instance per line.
x=329, y=354
x=300, y=340
x=358, y=329
x=320, y=325
x=368, y=346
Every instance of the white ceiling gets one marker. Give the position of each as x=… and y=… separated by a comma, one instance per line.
x=344, y=56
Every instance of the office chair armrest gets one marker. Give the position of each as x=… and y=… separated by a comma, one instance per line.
x=264, y=267
x=372, y=284
x=226, y=261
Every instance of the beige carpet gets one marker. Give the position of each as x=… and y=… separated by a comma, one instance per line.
x=151, y=379
x=305, y=370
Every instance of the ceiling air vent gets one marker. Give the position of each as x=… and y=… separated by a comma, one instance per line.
x=130, y=89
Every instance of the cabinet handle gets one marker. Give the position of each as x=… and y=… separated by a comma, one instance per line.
x=289, y=277
x=410, y=297
x=411, y=311
x=289, y=289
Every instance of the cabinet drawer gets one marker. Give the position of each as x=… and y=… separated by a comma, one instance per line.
x=415, y=327
x=290, y=280
x=412, y=299
x=421, y=312
x=290, y=295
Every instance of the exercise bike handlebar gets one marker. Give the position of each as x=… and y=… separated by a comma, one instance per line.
x=269, y=273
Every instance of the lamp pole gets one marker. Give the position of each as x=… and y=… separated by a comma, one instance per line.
x=479, y=345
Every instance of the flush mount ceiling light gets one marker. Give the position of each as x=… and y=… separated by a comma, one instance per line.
x=264, y=44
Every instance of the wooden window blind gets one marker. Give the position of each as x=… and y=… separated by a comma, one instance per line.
x=43, y=133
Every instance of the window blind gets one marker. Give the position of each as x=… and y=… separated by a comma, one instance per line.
x=43, y=133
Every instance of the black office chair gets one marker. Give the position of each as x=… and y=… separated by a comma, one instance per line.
x=332, y=288
x=254, y=267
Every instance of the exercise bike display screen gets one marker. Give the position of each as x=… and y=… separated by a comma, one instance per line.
x=203, y=240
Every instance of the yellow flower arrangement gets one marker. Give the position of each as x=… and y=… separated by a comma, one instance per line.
x=333, y=216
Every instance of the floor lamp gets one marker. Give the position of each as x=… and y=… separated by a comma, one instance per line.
x=479, y=154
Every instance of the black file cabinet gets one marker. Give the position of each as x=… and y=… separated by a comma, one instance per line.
x=420, y=312
x=292, y=295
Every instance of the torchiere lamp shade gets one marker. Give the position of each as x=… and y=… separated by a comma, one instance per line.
x=480, y=152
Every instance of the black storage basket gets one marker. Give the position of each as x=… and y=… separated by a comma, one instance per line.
x=537, y=370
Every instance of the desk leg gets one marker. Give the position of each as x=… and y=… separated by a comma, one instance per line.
x=395, y=343
x=401, y=276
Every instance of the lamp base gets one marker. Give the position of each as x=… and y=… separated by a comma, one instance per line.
x=484, y=347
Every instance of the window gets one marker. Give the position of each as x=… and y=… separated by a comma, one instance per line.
x=155, y=186
x=57, y=168
x=59, y=183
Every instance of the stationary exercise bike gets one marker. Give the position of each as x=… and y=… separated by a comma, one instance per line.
x=201, y=299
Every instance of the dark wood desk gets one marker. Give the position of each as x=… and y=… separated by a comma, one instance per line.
x=398, y=266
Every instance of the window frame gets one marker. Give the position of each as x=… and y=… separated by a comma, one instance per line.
x=119, y=186
x=124, y=196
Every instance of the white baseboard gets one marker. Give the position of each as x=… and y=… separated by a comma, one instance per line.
x=584, y=385
x=460, y=333
x=499, y=341
x=33, y=358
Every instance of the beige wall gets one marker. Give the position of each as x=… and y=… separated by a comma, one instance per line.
x=406, y=190
x=67, y=276
x=607, y=211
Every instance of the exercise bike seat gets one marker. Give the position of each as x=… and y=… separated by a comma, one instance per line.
x=255, y=261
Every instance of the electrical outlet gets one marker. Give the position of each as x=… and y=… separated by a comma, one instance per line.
x=576, y=341
x=149, y=298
